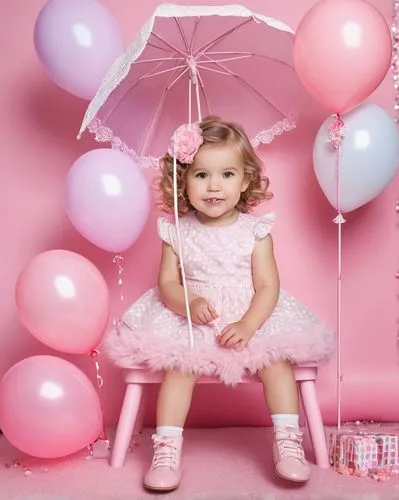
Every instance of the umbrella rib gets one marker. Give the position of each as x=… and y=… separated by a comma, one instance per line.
x=170, y=58
x=183, y=35
x=230, y=52
x=155, y=115
x=224, y=60
x=211, y=43
x=147, y=75
x=213, y=70
x=197, y=21
x=204, y=91
x=159, y=59
x=176, y=49
x=252, y=54
x=152, y=44
x=243, y=80
x=178, y=77
x=150, y=75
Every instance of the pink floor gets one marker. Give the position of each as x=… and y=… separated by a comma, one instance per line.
x=220, y=464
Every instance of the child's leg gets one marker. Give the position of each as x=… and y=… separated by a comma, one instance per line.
x=279, y=388
x=281, y=395
x=174, y=401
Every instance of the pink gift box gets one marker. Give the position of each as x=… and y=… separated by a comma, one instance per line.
x=388, y=449
x=365, y=449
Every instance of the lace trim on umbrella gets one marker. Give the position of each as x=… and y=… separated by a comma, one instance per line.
x=267, y=136
x=105, y=134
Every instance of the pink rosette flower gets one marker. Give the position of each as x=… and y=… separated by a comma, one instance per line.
x=186, y=141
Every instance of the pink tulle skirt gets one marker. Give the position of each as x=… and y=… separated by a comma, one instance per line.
x=153, y=335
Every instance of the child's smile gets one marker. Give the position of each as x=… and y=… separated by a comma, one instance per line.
x=214, y=201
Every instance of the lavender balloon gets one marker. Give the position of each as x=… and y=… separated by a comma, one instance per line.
x=77, y=41
x=107, y=199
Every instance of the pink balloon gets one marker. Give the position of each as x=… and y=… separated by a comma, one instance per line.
x=48, y=407
x=342, y=52
x=107, y=199
x=77, y=41
x=63, y=300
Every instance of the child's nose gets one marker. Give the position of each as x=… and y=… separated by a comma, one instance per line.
x=214, y=184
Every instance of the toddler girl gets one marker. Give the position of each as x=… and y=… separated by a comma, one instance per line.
x=242, y=321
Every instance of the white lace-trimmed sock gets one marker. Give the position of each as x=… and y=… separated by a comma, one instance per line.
x=284, y=419
x=169, y=430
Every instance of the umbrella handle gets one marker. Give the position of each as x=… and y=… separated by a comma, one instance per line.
x=180, y=251
x=198, y=102
x=193, y=80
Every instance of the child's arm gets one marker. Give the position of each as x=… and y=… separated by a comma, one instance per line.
x=266, y=284
x=172, y=292
x=267, y=287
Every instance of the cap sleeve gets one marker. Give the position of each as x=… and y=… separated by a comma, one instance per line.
x=263, y=225
x=166, y=231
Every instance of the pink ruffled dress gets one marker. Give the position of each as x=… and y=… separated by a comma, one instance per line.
x=217, y=262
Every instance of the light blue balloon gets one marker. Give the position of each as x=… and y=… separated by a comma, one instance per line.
x=369, y=157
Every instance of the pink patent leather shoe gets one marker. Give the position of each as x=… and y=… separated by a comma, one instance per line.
x=164, y=473
x=289, y=457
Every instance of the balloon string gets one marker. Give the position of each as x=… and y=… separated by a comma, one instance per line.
x=337, y=132
x=94, y=354
x=118, y=260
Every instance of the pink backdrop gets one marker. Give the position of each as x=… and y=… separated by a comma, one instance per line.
x=39, y=123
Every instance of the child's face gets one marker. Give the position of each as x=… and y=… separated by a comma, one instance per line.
x=216, y=180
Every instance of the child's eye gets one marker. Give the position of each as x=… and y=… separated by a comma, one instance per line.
x=228, y=174
x=201, y=175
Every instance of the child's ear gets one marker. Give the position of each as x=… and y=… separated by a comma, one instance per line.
x=245, y=183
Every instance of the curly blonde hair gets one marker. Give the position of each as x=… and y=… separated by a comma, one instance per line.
x=215, y=131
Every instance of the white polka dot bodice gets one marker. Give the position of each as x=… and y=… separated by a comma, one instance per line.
x=217, y=255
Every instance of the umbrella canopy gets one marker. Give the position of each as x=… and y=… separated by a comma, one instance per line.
x=188, y=62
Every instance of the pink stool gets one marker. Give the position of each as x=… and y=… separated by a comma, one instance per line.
x=131, y=417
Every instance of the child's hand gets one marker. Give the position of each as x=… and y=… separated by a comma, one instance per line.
x=202, y=312
x=236, y=336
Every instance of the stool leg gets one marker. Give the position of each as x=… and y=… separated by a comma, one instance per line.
x=127, y=419
x=315, y=422
x=139, y=424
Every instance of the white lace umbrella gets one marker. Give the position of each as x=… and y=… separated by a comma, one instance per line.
x=188, y=62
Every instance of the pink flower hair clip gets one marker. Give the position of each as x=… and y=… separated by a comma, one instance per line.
x=186, y=142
